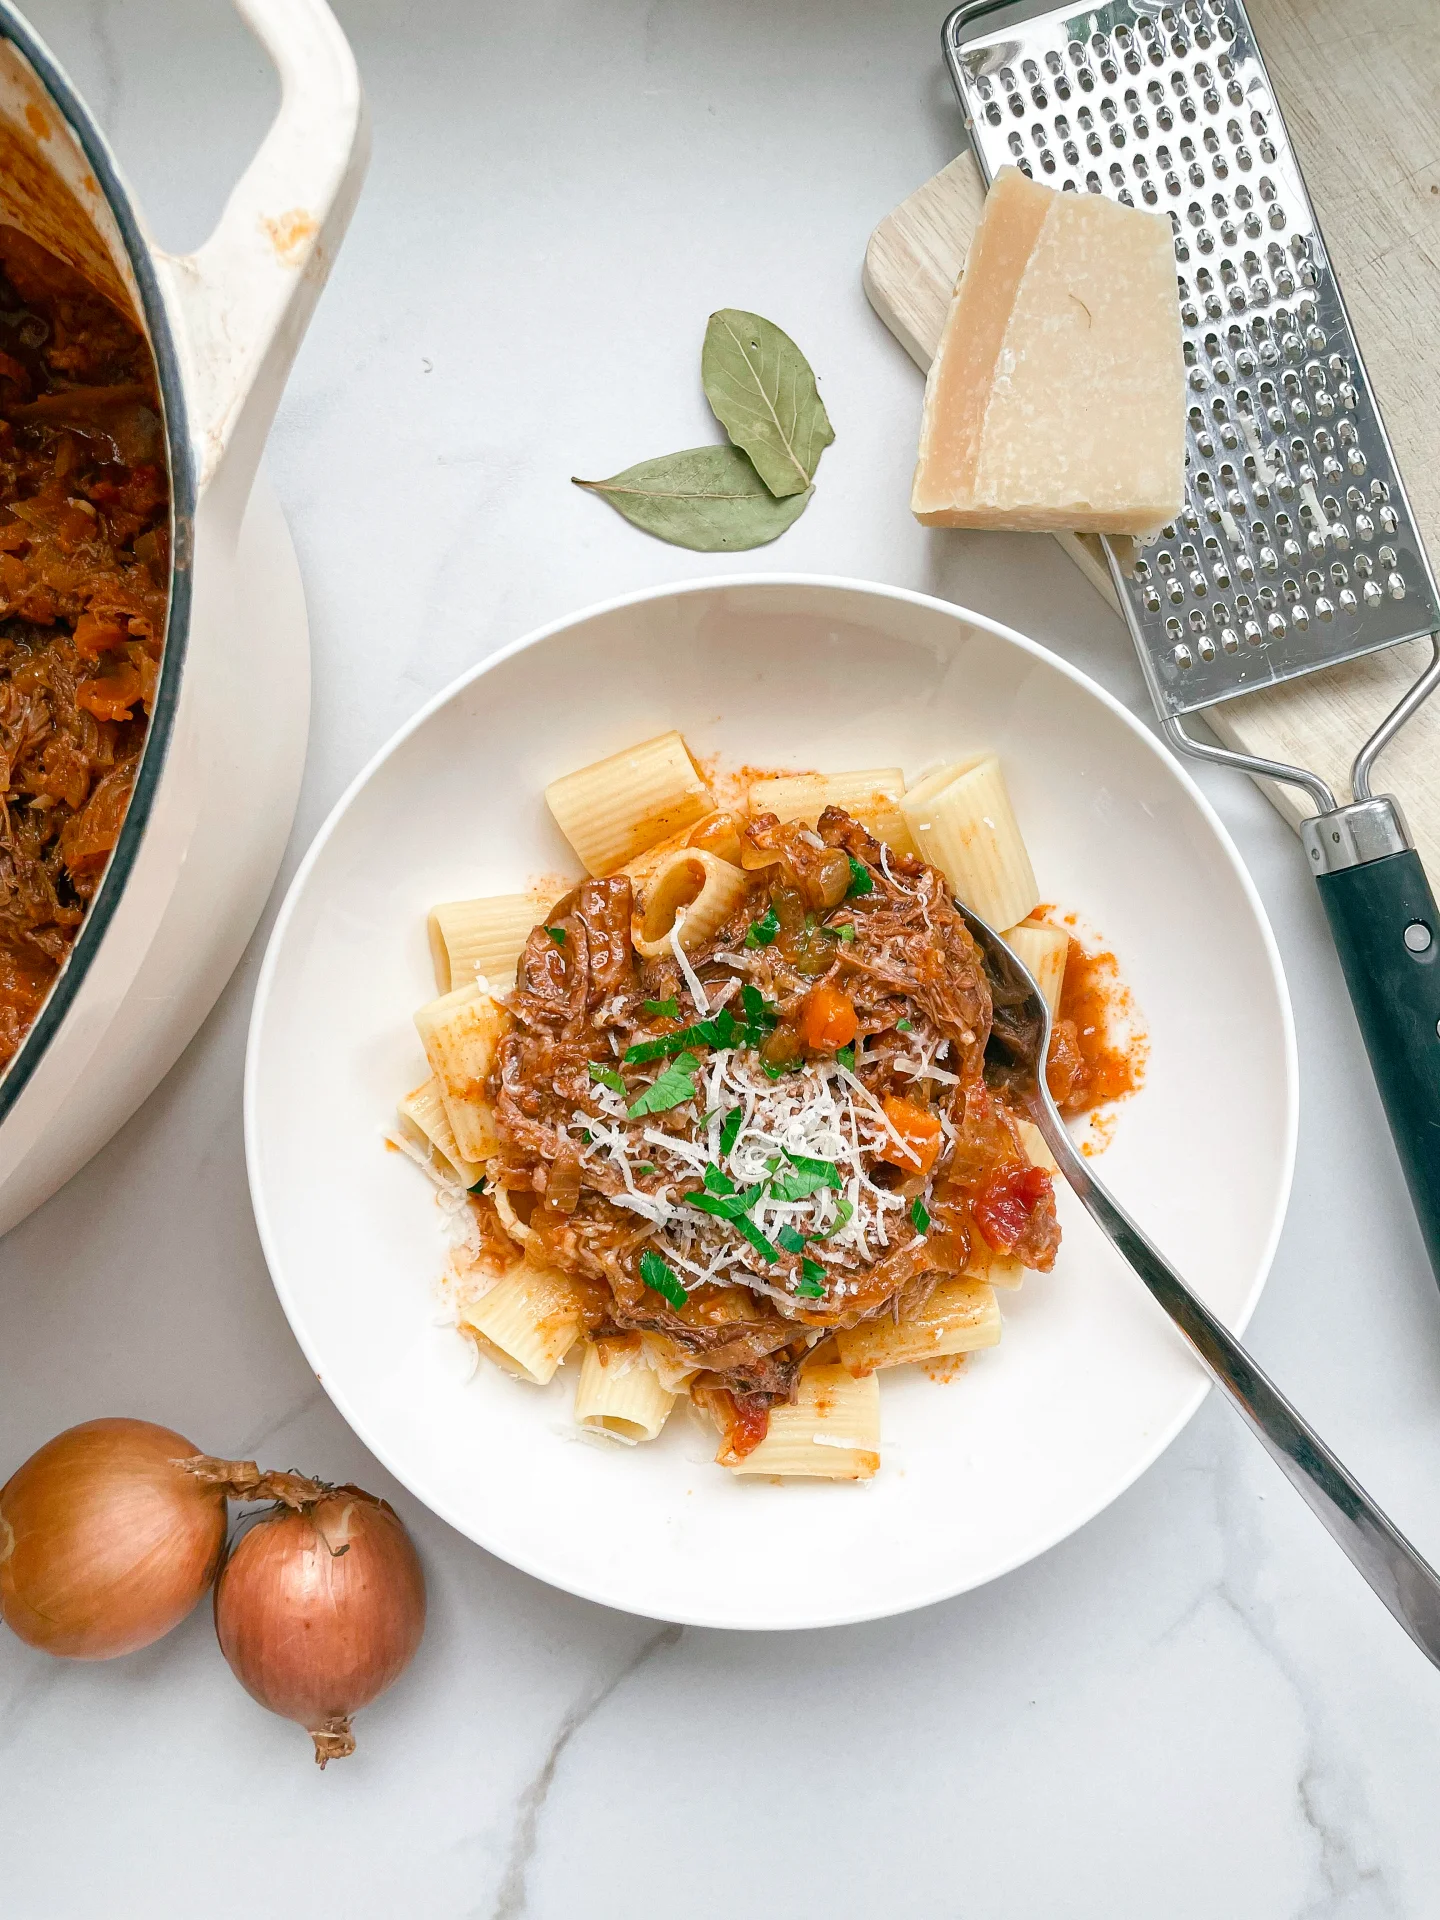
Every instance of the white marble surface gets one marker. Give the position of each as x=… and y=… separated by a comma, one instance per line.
x=1191, y=1708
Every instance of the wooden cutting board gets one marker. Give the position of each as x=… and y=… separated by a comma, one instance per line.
x=1359, y=82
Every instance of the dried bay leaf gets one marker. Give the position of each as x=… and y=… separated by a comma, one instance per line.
x=708, y=498
x=763, y=392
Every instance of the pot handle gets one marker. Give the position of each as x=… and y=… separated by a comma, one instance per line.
x=243, y=300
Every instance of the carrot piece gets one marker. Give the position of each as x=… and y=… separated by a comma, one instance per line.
x=112, y=695
x=920, y=1131
x=827, y=1020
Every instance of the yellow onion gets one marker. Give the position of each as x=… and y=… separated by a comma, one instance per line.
x=107, y=1539
x=320, y=1607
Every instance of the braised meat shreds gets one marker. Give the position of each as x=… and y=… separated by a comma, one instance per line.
x=787, y=1189
x=84, y=569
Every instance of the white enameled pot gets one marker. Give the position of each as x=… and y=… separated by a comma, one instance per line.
x=215, y=794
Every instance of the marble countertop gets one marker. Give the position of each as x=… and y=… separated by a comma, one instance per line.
x=1191, y=1707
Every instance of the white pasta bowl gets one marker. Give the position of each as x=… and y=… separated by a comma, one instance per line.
x=978, y=1473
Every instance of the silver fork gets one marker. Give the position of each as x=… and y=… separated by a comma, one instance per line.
x=1407, y=1584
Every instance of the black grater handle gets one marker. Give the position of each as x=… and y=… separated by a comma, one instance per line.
x=1386, y=928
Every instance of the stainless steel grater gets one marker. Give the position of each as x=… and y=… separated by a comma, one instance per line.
x=1296, y=548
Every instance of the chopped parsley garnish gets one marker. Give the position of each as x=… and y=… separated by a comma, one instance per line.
x=812, y=1280
x=662, y=1278
x=479, y=1186
x=920, y=1215
x=772, y=1072
x=807, y=1177
x=860, y=880
x=731, y=1206
x=645, y=1167
x=606, y=1077
x=758, y=1010
x=718, y=1181
x=844, y=931
x=663, y=1009
x=791, y=1240
x=586, y=1135
x=749, y=1231
x=761, y=933
x=675, y=1086
x=846, y=1056
x=904, y=1026
x=826, y=1170
x=844, y=1213
x=557, y=934
x=730, y=1130
x=722, y=1031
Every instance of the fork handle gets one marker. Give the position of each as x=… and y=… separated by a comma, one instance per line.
x=1386, y=929
x=1407, y=1584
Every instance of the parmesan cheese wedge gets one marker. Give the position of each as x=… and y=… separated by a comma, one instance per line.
x=1057, y=399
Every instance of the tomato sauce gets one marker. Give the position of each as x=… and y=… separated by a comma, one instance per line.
x=1098, y=1049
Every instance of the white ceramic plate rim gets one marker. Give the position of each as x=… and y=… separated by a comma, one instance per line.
x=532, y=1564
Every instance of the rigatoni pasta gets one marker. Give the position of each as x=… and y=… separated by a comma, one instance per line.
x=690, y=888
x=460, y=1032
x=527, y=1322
x=1042, y=951
x=960, y=1316
x=619, y=1392
x=719, y=1123
x=482, y=939
x=615, y=809
x=872, y=797
x=830, y=1431
x=966, y=826
x=424, y=1118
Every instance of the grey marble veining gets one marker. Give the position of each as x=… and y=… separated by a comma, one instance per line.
x=1190, y=1708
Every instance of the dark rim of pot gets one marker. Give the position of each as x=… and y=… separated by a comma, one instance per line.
x=153, y=755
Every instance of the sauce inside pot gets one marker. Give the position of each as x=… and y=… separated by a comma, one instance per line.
x=84, y=571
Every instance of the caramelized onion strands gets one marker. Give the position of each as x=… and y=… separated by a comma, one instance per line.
x=110, y=1534
x=319, y=1608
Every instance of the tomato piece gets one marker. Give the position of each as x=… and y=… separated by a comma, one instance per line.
x=1005, y=1203
x=743, y=1420
x=827, y=1019
x=920, y=1131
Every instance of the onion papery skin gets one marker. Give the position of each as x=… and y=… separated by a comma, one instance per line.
x=106, y=1542
x=319, y=1610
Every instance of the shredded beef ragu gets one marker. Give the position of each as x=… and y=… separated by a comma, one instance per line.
x=84, y=567
x=912, y=973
